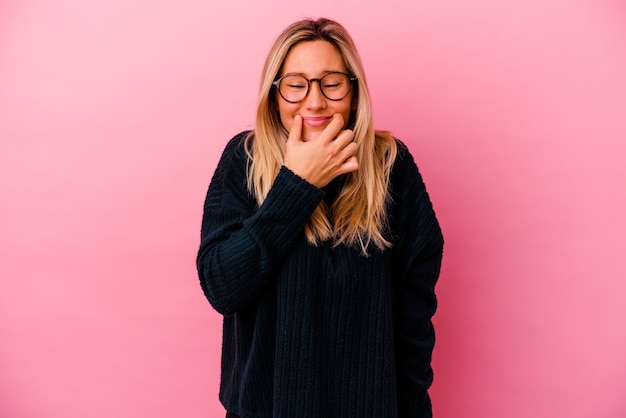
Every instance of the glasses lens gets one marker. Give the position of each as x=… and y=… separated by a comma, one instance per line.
x=293, y=88
x=335, y=86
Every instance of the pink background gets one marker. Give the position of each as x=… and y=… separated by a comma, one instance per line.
x=113, y=115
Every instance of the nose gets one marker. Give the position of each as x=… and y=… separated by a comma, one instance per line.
x=315, y=99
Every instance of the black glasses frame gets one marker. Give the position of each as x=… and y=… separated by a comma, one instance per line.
x=276, y=83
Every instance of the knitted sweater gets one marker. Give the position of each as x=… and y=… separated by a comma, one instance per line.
x=317, y=331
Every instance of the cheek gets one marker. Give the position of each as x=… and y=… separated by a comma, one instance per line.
x=348, y=111
x=286, y=120
x=287, y=113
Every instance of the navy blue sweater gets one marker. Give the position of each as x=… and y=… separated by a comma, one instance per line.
x=317, y=331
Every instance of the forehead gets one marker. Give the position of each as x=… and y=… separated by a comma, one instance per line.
x=313, y=59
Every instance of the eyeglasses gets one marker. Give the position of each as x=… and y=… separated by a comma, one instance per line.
x=294, y=87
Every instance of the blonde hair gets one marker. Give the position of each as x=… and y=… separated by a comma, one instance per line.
x=358, y=215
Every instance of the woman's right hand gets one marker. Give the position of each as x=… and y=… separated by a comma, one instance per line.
x=320, y=160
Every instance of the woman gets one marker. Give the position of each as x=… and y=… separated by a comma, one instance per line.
x=320, y=247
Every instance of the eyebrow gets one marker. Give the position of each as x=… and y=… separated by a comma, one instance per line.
x=307, y=77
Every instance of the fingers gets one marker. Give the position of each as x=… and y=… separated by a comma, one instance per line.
x=348, y=153
x=336, y=124
x=351, y=164
x=321, y=159
x=344, y=153
x=343, y=144
x=295, y=133
x=333, y=129
x=344, y=138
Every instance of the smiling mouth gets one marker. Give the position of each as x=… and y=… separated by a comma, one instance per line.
x=316, y=120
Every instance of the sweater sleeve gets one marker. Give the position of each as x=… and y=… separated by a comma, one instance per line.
x=243, y=245
x=418, y=250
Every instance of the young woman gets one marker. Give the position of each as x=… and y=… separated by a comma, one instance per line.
x=320, y=247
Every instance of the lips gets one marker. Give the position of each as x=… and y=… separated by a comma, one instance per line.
x=316, y=120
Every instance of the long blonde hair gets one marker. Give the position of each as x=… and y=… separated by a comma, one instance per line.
x=357, y=217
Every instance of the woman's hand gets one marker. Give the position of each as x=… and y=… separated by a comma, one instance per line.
x=320, y=160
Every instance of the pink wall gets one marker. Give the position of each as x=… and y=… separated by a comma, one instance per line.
x=113, y=115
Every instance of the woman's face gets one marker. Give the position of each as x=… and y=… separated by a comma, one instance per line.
x=313, y=59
